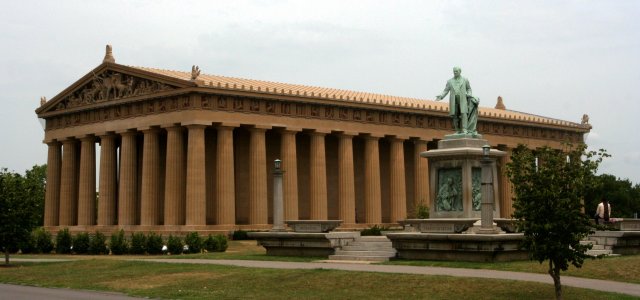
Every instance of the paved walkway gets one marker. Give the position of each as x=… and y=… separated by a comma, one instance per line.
x=21, y=292
x=595, y=284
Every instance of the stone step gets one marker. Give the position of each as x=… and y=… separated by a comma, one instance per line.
x=370, y=244
x=366, y=253
x=369, y=247
x=599, y=252
x=585, y=242
x=374, y=238
x=359, y=258
x=597, y=247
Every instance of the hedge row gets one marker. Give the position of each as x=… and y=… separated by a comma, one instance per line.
x=84, y=243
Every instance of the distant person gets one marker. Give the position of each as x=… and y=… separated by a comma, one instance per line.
x=603, y=213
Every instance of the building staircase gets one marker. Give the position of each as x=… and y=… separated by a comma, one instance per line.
x=366, y=249
x=597, y=250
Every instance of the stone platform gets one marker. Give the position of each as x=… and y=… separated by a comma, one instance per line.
x=460, y=247
x=303, y=243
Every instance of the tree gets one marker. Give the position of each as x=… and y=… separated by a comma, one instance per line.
x=549, y=186
x=623, y=196
x=16, y=220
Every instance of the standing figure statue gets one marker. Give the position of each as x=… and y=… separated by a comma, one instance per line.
x=463, y=107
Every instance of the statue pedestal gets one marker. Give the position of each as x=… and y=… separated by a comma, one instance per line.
x=455, y=172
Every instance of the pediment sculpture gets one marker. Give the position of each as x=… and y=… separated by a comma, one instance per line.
x=111, y=85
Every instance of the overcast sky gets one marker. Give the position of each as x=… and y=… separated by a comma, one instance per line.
x=559, y=59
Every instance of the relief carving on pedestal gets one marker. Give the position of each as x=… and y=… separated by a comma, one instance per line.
x=111, y=85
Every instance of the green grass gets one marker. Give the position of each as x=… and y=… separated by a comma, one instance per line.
x=621, y=268
x=172, y=281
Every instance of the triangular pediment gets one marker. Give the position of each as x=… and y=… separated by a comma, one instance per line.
x=111, y=82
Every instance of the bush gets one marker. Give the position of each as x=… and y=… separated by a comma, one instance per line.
x=138, y=243
x=97, y=245
x=375, y=230
x=81, y=243
x=154, y=244
x=63, y=242
x=194, y=242
x=216, y=243
x=422, y=211
x=42, y=241
x=174, y=245
x=240, y=235
x=118, y=243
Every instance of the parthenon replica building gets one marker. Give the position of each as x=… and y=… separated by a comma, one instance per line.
x=184, y=151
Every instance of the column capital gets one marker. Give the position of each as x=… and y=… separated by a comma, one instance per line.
x=257, y=129
x=105, y=134
x=290, y=130
x=176, y=127
x=170, y=125
x=150, y=129
x=265, y=127
x=87, y=138
x=397, y=138
x=318, y=133
x=53, y=143
x=195, y=126
x=69, y=140
x=418, y=141
x=345, y=133
x=127, y=132
x=372, y=137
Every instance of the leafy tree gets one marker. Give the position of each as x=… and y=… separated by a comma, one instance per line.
x=16, y=211
x=35, y=182
x=549, y=186
x=623, y=196
x=43, y=243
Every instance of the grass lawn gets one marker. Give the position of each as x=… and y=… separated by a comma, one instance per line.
x=171, y=281
x=620, y=268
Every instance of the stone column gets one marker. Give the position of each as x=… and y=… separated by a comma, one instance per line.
x=506, y=195
x=421, y=175
x=68, y=183
x=372, y=192
x=196, y=189
x=108, y=180
x=150, y=203
x=128, y=191
x=225, y=183
x=317, y=177
x=258, y=210
x=87, y=193
x=175, y=181
x=397, y=188
x=52, y=196
x=346, y=185
x=290, y=176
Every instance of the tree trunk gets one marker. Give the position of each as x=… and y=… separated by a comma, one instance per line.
x=554, y=271
x=6, y=257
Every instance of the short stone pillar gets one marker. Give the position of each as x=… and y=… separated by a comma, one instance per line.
x=278, y=202
x=486, y=222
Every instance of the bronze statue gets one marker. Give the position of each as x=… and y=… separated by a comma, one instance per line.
x=463, y=107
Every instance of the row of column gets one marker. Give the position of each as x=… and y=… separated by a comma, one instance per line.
x=179, y=197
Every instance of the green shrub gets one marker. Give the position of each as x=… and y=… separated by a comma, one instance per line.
x=138, y=243
x=118, y=243
x=154, y=244
x=174, y=245
x=375, y=230
x=63, y=242
x=422, y=211
x=194, y=242
x=42, y=240
x=216, y=243
x=239, y=235
x=98, y=244
x=81, y=243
